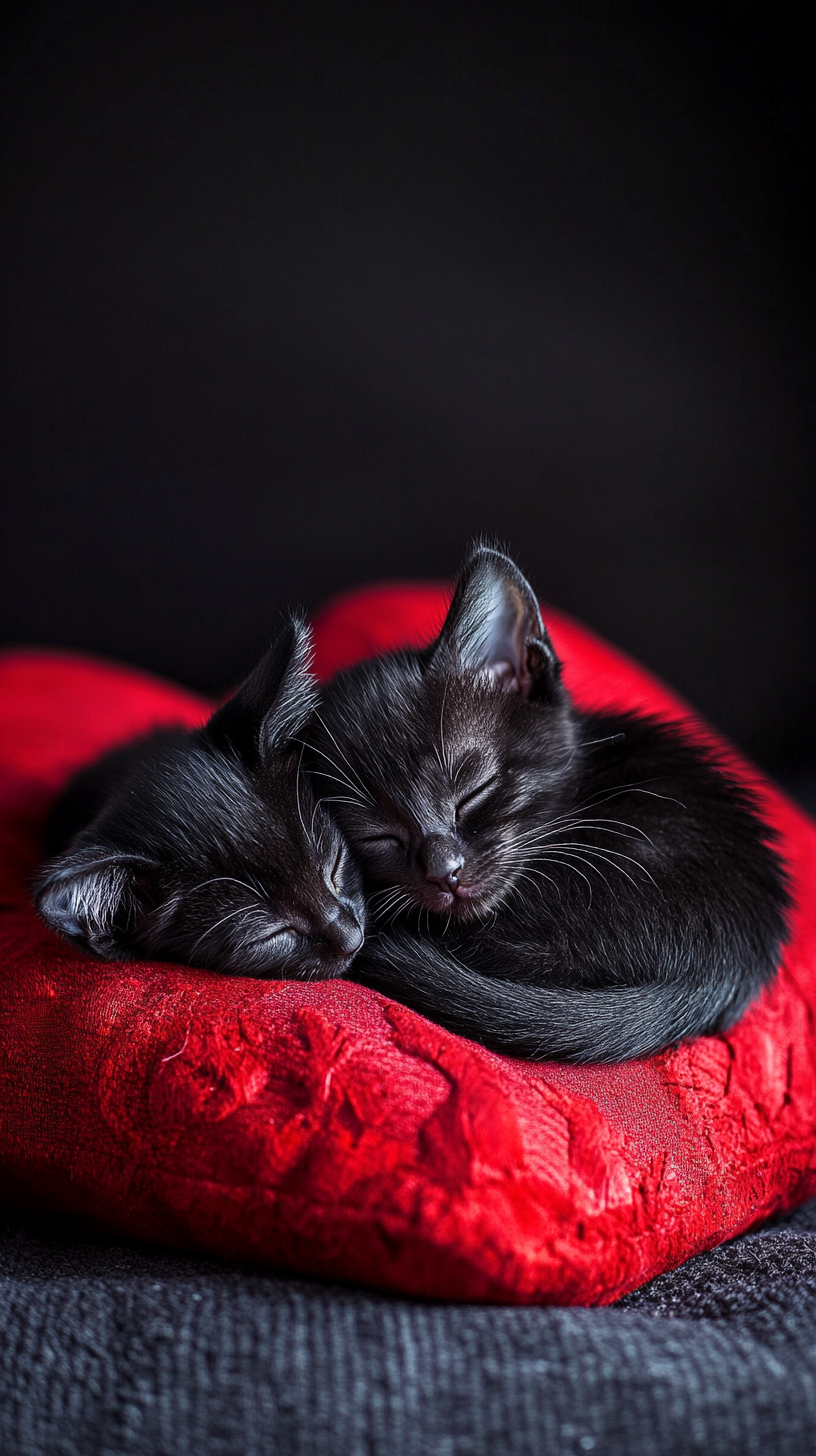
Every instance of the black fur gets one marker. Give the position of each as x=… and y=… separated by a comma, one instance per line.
x=209, y=847
x=551, y=884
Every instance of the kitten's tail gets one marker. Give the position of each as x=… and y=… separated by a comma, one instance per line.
x=550, y=1023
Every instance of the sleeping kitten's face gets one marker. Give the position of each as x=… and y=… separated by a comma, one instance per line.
x=213, y=851
x=442, y=767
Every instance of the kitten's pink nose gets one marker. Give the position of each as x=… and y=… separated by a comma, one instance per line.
x=449, y=881
x=442, y=862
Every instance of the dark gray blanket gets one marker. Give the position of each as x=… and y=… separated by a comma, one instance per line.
x=108, y=1348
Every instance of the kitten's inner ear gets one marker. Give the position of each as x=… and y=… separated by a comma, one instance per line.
x=494, y=625
x=91, y=895
x=275, y=702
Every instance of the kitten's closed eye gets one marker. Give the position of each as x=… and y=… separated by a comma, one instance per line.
x=284, y=933
x=336, y=876
x=476, y=796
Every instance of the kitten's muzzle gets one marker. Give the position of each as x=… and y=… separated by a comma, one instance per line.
x=344, y=934
x=441, y=861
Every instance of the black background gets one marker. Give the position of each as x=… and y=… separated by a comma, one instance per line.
x=295, y=298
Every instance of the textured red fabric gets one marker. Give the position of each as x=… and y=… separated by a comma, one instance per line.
x=329, y=1130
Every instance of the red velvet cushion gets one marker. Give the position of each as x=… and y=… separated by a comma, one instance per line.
x=327, y=1129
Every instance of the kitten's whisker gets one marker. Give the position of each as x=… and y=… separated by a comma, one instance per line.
x=297, y=790
x=350, y=766
x=343, y=778
x=524, y=876
x=624, y=823
x=216, y=879
x=538, y=838
x=636, y=787
x=354, y=799
x=532, y=870
x=242, y=910
x=573, y=854
x=381, y=915
x=610, y=855
x=403, y=903
x=613, y=866
x=440, y=760
x=613, y=738
x=568, y=865
x=463, y=764
x=445, y=761
x=386, y=892
x=580, y=821
x=603, y=825
x=381, y=911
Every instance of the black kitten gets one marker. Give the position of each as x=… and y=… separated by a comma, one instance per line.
x=556, y=885
x=209, y=847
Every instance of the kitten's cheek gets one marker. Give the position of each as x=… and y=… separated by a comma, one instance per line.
x=379, y=874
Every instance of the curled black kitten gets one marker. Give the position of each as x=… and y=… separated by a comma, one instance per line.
x=550, y=883
x=209, y=847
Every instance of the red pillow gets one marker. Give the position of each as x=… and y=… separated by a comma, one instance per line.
x=328, y=1129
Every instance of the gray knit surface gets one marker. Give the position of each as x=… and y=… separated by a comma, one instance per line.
x=115, y=1349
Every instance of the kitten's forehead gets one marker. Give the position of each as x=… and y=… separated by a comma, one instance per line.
x=398, y=709
x=209, y=807
x=214, y=797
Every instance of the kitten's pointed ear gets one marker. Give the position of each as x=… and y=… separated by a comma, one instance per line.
x=90, y=895
x=494, y=626
x=275, y=702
